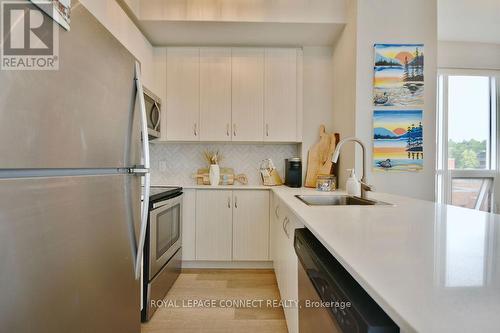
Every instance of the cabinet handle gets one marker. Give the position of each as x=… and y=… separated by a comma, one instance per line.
x=267, y=129
x=283, y=224
x=234, y=129
x=276, y=211
x=227, y=129
x=228, y=202
x=235, y=202
x=195, y=129
x=284, y=227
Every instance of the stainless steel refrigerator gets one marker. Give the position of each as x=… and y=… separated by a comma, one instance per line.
x=71, y=164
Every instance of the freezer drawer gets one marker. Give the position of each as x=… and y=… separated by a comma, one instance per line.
x=67, y=254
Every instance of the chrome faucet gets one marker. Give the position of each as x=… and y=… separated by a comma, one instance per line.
x=365, y=187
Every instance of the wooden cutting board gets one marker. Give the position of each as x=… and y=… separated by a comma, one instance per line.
x=319, y=159
x=226, y=176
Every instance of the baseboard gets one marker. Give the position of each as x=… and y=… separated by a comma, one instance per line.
x=228, y=264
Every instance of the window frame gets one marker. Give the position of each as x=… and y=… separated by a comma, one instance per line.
x=444, y=176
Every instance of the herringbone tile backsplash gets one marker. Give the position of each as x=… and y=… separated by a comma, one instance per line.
x=175, y=163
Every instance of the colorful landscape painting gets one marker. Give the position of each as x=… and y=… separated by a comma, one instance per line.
x=398, y=140
x=398, y=75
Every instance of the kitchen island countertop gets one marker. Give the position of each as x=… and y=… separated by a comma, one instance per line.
x=431, y=267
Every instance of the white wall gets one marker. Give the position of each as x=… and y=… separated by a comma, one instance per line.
x=111, y=15
x=468, y=55
x=344, y=89
x=469, y=20
x=389, y=22
x=317, y=95
x=242, y=11
x=386, y=21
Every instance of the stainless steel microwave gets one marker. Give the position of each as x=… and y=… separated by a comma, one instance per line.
x=153, y=113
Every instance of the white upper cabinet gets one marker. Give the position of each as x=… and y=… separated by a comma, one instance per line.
x=233, y=94
x=183, y=94
x=280, y=95
x=215, y=94
x=248, y=94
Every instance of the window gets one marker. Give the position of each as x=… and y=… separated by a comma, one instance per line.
x=467, y=138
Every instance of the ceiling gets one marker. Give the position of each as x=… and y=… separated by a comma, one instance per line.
x=469, y=20
x=458, y=20
x=204, y=33
x=238, y=23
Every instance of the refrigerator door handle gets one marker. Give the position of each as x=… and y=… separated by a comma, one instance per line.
x=142, y=172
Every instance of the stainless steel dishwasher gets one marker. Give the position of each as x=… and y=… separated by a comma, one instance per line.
x=330, y=299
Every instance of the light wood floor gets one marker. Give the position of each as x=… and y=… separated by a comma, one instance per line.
x=220, y=285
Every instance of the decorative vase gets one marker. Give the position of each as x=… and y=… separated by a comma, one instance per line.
x=214, y=174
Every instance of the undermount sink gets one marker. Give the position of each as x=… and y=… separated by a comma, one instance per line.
x=337, y=200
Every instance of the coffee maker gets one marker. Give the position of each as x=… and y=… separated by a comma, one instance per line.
x=293, y=172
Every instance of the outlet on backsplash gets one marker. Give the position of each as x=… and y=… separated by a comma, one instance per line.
x=175, y=163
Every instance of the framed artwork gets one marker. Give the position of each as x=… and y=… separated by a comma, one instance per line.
x=59, y=10
x=398, y=140
x=398, y=75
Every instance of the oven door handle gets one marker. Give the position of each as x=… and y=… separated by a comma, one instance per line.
x=142, y=172
x=168, y=202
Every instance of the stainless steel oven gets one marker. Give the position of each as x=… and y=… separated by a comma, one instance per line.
x=153, y=113
x=163, y=248
x=165, y=232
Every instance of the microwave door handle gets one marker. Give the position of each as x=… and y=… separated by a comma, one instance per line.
x=151, y=114
x=157, y=109
x=142, y=172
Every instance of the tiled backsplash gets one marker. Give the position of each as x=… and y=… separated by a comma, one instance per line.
x=176, y=163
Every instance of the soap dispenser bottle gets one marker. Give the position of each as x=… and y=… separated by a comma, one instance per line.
x=352, y=185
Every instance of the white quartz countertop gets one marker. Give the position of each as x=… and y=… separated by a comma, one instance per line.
x=431, y=267
x=219, y=187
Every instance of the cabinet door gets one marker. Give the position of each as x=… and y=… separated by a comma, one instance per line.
x=215, y=94
x=250, y=225
x=280, y=95
x=291, y=273
x=273, y=214
x=279, y=246
x=213, y=225
x=189, y=225
x=248, y=94
x=183, y=94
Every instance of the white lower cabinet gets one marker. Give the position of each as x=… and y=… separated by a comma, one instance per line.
x=244, y=225
x=214, y=225
x=250, y=225
x=189, y=224
x=284, y=258
x=232, y=225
